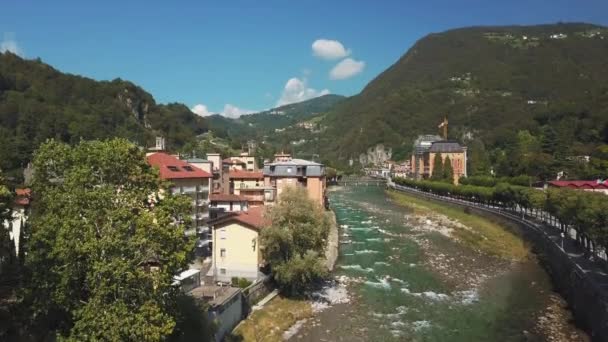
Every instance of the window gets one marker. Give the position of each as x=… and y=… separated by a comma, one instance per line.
x=222, y=271
x=188, y=168
x=289, y=169
x=223, y=252
x=223, y=234
x=172, y=168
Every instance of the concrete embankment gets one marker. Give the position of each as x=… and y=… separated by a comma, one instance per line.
x=331, y=250
x=578, y=281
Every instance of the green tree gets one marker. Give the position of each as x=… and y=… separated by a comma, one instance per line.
x=105, y=244
x=448, y=170
x=479, y=161
x=295, y=242
x=7, y=264
x=437, y=168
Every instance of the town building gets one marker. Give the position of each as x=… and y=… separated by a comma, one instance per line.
x=402, y=170
x=202, y=164
x=426, y=147
x=20, y=214
x=216, y=170
x=186, y=179
x=249, y=184
x=226, y=203
x=236, y=245
x=593, y=185
x=420, y=157
x=456, y=153
x=285, y=172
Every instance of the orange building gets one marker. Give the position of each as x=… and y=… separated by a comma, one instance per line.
x=423, y=159
x=288, y=172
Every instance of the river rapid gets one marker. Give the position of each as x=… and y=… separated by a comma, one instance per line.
x=401, y=278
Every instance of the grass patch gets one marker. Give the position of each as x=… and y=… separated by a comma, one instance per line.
x=269, y=323
x=485, y=235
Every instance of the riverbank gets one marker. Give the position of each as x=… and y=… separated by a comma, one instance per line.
x=274, y=322
x=554, y=322
x=331, y=250
x=476, y=232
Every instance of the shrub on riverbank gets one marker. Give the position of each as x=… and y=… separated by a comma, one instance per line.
x=294, y=244
x=269, y=323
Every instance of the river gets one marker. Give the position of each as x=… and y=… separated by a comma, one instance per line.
x=408, y=284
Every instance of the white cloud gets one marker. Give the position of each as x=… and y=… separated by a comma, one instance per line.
x=10, y=44
x=230, y=111
x=233, y=112
x=346, y=68
x=329, y=49
x=201, y=109
x=296, y=90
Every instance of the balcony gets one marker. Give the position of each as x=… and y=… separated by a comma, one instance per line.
x=249, y=187
x=188, y=189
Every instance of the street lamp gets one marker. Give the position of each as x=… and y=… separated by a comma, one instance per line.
x=563, y=236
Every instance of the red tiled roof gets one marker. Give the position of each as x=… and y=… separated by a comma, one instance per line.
x=23, y=192
x=253, y=218
x=241, y=174
x=23, y=196
x=173, y=168
x=580, y=184
x=227, y=198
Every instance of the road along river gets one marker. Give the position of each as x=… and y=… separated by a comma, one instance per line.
x=403, y=276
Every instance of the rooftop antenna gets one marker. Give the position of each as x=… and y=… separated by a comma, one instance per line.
x=444, y=125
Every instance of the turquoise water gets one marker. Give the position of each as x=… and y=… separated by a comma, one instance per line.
x=397, y=295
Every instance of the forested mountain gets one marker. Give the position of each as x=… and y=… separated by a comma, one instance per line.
x=543, y=87
x=38, y=102
x=263, y=123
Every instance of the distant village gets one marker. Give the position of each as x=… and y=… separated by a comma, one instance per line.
x=424, y=151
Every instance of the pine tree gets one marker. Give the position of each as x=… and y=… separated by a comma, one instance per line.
x=437, y=168
x=448, y=171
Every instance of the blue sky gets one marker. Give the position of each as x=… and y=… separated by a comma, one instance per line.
x=234, y=56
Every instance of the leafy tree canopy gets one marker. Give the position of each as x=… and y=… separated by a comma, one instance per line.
x=105, y=244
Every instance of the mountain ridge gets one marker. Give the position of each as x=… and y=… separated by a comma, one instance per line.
x=486, y=79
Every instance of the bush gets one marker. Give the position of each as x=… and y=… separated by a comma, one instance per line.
x=240, y=282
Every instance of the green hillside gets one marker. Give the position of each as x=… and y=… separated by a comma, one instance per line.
x=38, y=102
x=263, y=123
x=492, y=82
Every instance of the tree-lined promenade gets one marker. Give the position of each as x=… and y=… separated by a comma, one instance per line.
x=584, y=212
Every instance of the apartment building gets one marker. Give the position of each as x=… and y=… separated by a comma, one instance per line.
x=236, y=245
x=249, y=184
x=285, y=172
x=186, y=179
